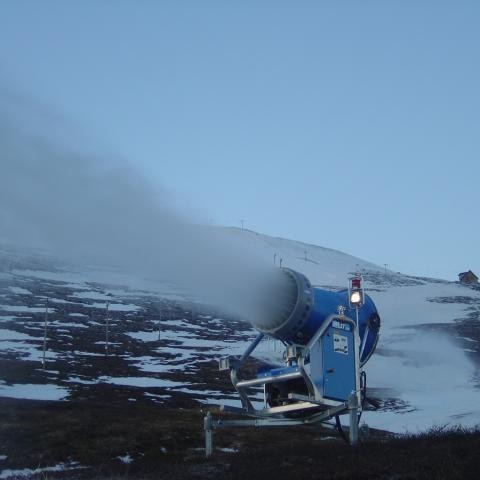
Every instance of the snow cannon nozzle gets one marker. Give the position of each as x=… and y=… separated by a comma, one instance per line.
x=295, y=310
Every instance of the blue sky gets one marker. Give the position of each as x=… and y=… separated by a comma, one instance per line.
x=352, y=125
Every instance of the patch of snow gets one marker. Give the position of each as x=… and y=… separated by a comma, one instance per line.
x=408, y=305
x=24, y=308
x=88, y=354
x=68, y=324
x=182, y=324
x=27, y=472
x=117, y=307
x=92, y=322
x=142, y=382
x=33, y=391
x=60, y=300
x=181, y=354
x=66, y=277
x=125, y=458
x=12, y=335
x=20, y=291
x=432, y=376
x=152, y=336
x=66, y=335
x=27, y=351
x=154, y=395
x=74, y=379
x=155, y=365
x=92, y=295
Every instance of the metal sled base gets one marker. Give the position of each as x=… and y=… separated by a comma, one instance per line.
x=210, y=424
x=316, y=406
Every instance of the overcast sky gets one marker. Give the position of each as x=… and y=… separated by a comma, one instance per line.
x=353, y=125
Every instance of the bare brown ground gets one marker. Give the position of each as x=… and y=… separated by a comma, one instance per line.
x=167, y=443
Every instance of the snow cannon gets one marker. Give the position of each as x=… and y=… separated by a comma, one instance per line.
x=328, y=337
x=302, y=309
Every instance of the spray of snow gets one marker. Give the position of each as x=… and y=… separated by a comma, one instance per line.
x=97, y=210
x=432, y=375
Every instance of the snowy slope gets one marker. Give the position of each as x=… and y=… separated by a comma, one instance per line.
x=424, y=359
x=430, y=374
x=323, y=266
x=164, y=349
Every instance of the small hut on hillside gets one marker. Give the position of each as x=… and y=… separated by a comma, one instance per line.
x=467, y=277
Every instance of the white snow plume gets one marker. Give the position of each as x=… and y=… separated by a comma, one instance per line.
x=91, y=208
x=432, y=375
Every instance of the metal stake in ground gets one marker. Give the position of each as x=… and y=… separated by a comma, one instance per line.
x=159, y=324
x=106, y=329
x=45, y=333
x=353, y=417
x=208, y=429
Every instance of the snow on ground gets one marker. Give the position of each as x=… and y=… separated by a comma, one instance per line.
x=155, y=365
x=432, y=375
x=6, y=318
x=22, y=309
x=141, y=382
x=59, y=276
x=92, y=295
x=26, y=350
x=409, y=305
x=88, y=354
x=29, y=473
x=322, y=266
x=34, y=391
x=126, y=458
x=117, y=307
x=427, y=373
x=12, y=335
x=20, y=291
x=427, y=369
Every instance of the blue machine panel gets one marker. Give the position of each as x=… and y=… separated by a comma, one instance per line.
x=338, y=363
x=332, y=362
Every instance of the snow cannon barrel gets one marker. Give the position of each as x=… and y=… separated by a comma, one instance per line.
x=302, y=309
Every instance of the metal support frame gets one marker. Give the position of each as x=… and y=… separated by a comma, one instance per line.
x=353, y=408
x=320, y=419
x=208, y=428
x=303, y=404
x=210, y=425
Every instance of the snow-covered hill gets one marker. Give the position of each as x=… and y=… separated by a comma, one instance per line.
x=163, y=347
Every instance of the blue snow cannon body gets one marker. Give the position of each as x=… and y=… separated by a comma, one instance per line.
x=303, y=309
